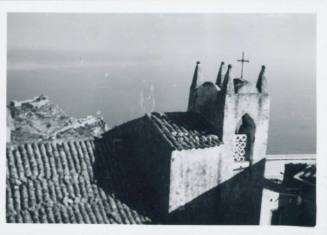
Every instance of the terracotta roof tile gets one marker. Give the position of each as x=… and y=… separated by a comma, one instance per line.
x=53, y=182
x=185, y=130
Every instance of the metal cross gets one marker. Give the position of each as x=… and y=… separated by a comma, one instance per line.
x=243, y=61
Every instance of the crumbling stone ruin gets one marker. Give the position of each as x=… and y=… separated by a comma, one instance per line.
x=37, y=119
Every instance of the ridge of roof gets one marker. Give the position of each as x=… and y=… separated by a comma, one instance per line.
x=185, y=130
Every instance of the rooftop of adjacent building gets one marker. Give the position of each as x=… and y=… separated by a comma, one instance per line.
x=54, y=182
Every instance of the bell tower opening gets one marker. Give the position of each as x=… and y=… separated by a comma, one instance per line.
x=244, y=139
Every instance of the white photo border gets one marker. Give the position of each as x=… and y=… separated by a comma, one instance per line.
x=318, y=7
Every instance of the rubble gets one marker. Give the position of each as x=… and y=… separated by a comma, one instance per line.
x=37, y=119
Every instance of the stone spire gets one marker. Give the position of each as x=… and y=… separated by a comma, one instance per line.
x=262, y=81
x=219, y=77
x=194, y=84
x=196, y=74
x=228, y=84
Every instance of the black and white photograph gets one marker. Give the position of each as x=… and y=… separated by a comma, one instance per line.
x=161, y=118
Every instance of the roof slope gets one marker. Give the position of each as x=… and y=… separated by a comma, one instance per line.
x=53, y=182
x=185, y=130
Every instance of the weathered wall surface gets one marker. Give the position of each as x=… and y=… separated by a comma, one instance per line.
x=225, y=110
x=194, y=172
x=234, y=201
x=256, y=105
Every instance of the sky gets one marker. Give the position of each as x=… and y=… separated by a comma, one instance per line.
x=127, y=64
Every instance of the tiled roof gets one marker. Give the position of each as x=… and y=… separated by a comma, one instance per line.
x=307, y=175
x=53, y=182
x=185, y=130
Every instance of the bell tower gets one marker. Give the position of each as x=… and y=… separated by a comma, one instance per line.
x=238, y=110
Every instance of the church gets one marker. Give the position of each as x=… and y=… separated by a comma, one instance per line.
x=205, y=165
x=173, y=158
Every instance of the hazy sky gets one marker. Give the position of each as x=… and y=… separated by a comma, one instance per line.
x=90, y=62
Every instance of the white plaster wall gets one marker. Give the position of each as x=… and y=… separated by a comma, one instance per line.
x=229, y=125
x=257, y=106
x=268, y=205
x=194, y=172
